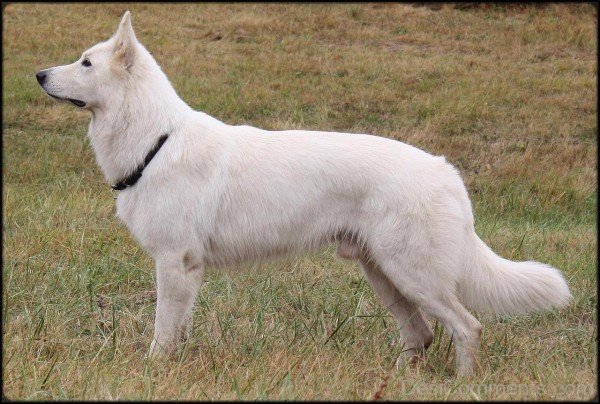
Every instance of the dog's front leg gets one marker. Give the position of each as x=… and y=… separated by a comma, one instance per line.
x=177, y=286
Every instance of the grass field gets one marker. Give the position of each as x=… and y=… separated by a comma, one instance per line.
x=506, y=93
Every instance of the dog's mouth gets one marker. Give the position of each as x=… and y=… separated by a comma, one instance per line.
x=77, y=103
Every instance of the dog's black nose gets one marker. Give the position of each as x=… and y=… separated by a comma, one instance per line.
x=41, y=76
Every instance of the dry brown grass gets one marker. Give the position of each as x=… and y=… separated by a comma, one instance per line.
x=507, y=93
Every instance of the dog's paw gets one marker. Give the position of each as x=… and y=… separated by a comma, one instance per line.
x=412, y=359
x=156, y=350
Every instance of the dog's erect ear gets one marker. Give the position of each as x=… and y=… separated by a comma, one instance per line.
x=125, y=41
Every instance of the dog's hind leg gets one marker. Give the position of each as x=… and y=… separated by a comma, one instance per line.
x=414, y=330
x=438, y=300
x=177, y=286
x=423, y=254
x=464, y=328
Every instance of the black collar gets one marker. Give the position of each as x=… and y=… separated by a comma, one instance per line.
x=135, y=176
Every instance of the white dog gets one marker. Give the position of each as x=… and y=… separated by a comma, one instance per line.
x=216, y=195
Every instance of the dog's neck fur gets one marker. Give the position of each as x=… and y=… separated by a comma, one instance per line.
x=120, y=145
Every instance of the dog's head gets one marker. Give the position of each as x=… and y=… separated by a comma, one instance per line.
x=100, y=73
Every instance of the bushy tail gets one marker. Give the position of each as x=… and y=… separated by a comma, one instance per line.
x=494, y=284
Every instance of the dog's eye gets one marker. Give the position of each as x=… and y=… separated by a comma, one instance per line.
x=86, y=62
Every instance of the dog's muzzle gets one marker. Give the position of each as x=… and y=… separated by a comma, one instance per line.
x=41, y=77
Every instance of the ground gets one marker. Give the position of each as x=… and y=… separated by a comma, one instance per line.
x=506, y=92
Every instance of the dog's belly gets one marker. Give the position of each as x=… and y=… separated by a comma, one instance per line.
x=252, y=235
